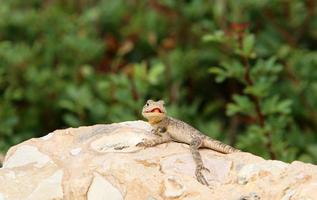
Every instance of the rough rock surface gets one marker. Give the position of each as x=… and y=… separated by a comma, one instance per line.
x=102, y=162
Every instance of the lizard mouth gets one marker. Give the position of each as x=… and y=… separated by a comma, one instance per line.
x=155, y=110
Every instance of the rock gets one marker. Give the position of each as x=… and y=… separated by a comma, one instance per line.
x=173, y=187
x=27, y=154
x=103, y=162
x=49, y=188
x=100, y=188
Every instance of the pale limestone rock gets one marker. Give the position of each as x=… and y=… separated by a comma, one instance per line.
x=288, y=195
x=173, y=187
x=10, y=175
x=102, y=162
x=48, y=136
x=75, y=151
x=49, y=188
x=257, y=169
x=101, y=189
x=26, y=154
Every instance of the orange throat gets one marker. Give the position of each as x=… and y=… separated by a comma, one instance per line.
x=154, y=121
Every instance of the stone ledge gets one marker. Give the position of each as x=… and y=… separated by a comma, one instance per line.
x=102, y=162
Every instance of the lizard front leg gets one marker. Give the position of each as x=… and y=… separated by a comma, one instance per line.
x=150, y=143
x=158, y=131
x=194, y=146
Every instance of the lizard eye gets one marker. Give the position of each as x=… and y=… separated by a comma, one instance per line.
x=147, y=104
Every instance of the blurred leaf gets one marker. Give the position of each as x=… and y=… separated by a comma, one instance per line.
x=155, y=73
x=248, y=44
x=242, y=104
x=71, y=120
x=259, y=89
x=220, y=73
x=217, y=36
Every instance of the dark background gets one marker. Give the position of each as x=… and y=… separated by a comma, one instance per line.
x=242, y=71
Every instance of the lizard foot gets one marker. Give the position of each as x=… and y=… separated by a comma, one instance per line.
x=203, y=168
x=145, y=143
x=155, y=132
x=120, y=147
x=158, y=131
x=200, y=177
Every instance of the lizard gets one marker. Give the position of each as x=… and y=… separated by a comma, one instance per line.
x=170, y=129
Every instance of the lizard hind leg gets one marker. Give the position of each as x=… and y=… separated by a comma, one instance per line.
x=194, y=146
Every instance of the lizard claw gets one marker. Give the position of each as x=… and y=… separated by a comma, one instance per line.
x=140, y=144
x=144, y=143
x=158, y=131
x=201, y=167
x=200, y=177
x=155, y=132
x=120, y=147
x=206, y=169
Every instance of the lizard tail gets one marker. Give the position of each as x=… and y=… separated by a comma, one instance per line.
x=218, y=146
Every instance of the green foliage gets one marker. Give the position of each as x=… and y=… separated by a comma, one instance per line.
x=240, y=71
x=266, y=97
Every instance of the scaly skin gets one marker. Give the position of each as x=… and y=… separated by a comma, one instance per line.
x=170, y=129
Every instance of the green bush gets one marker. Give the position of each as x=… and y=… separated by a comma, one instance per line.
x=240, y=71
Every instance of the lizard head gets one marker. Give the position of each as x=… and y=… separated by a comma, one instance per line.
x=154, y=111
